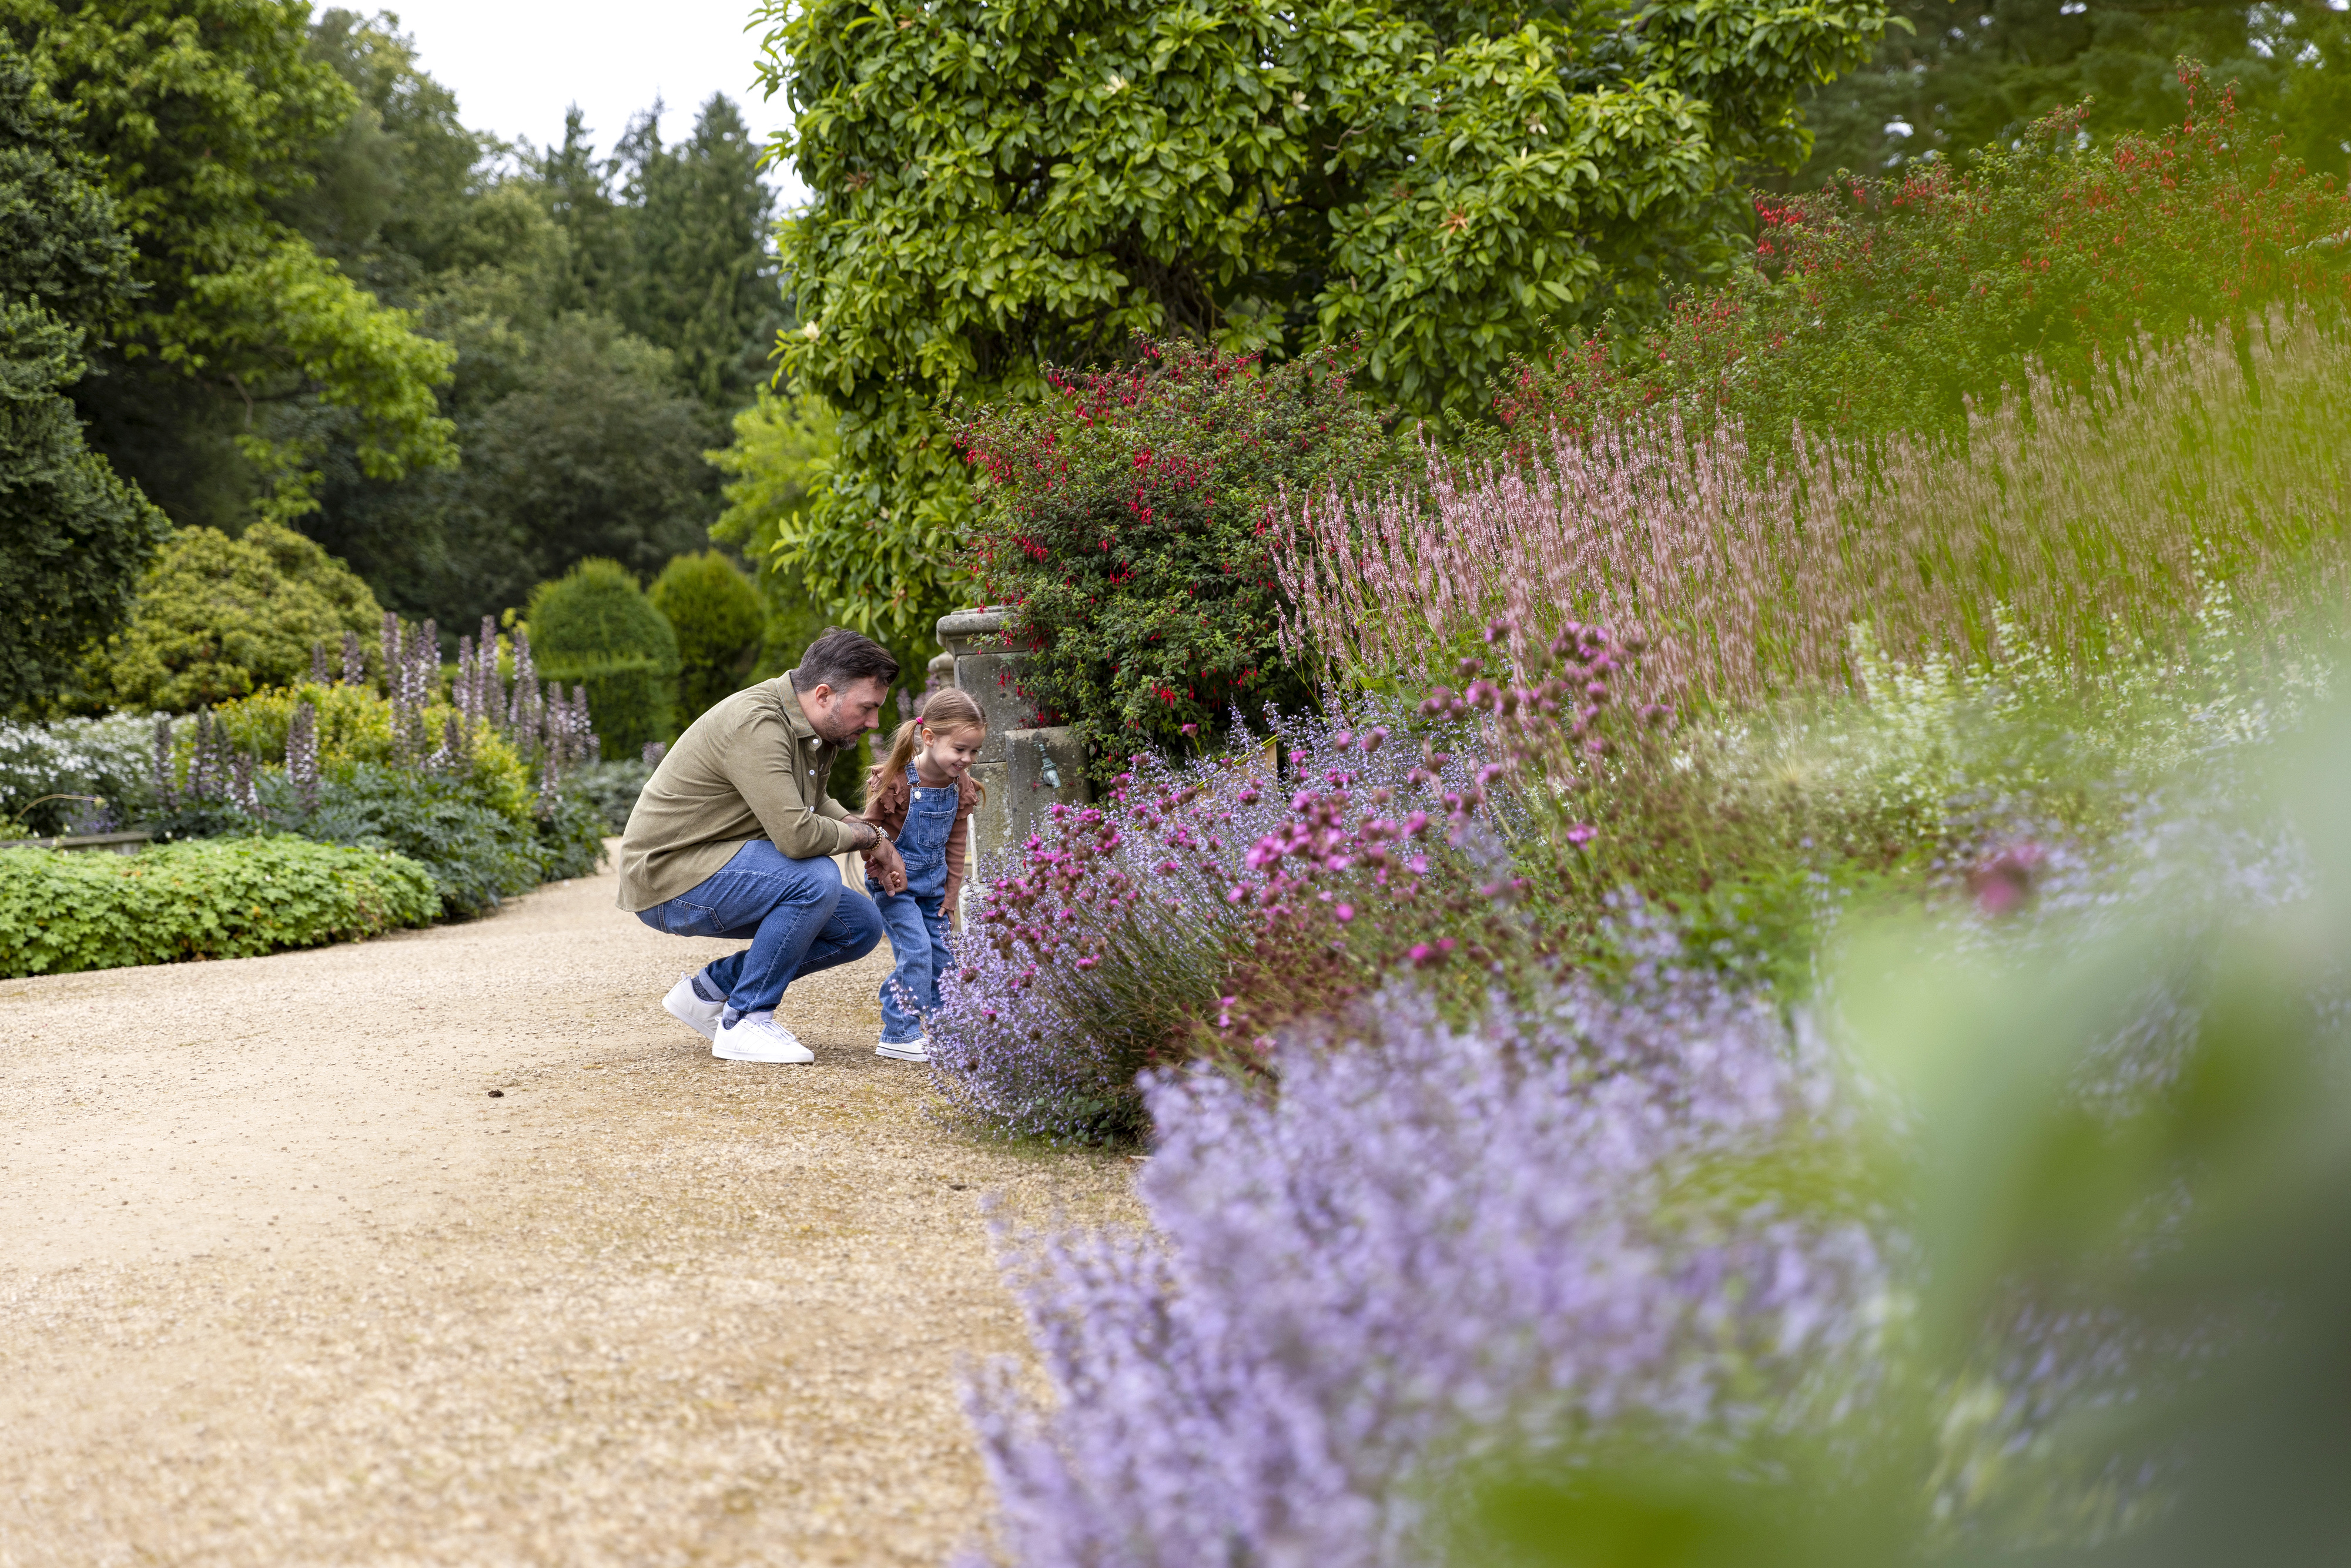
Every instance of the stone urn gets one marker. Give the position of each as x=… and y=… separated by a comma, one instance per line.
x=1025, y=767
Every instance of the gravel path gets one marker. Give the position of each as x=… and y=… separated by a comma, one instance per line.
x=281, y=1282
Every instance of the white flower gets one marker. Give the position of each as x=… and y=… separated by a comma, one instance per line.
x=811, y=331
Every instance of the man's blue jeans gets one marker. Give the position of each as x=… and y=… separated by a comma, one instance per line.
x=798, y=916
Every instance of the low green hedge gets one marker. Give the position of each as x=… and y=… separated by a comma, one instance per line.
x=207, y=898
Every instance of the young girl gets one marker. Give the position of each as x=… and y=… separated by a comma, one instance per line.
x=922, y=796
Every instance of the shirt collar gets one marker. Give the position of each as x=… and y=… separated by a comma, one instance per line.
x=789, y=700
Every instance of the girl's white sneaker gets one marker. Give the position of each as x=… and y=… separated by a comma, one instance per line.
x=915, y=1050
x=757, y=1037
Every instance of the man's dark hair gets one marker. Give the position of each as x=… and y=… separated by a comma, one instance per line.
x=841, y=657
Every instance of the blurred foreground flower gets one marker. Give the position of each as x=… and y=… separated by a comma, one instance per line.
x=2041, y=1254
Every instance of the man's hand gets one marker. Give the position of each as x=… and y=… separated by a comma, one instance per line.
x=883, y=860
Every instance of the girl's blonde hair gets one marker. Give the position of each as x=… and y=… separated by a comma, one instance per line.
x=951, y=709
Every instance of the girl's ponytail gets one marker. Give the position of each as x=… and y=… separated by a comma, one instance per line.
x=904, y=743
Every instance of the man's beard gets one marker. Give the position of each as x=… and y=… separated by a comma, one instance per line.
x=844, y=741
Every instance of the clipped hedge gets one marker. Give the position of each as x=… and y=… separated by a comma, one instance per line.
x=208, y=898
x=593, y=627
x=718, y=617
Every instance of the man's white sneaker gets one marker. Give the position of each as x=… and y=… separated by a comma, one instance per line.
x=915, y=1050
x=684, y=1004
x=757, y=1037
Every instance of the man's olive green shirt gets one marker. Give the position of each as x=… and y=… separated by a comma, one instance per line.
x=752, y=767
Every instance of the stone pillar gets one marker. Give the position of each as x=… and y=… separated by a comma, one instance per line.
x=1025, y=767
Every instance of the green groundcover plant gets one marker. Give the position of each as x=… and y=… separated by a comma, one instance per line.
x=477, y=856
x=610, y=788
x=219, y=898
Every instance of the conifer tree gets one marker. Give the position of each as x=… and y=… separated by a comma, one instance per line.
x=704, y=281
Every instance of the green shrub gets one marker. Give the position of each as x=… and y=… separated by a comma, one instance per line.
x=110, y=758
x=217, y=618
x=477, y=856
x=717, y=618
x=610, y=788
x=1884, y=304
x=594, y=627
x=214, y=898
x=571, y=835
x=1125, y=521
x=355, y=726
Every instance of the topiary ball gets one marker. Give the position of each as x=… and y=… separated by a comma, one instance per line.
x=718, y=616
x=593, y=627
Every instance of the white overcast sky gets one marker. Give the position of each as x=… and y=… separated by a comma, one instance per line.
x=517, y=64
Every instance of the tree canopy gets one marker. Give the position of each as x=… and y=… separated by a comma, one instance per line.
x=606, y=314
x=210, y=119
x=701, y=278
x=1000, y=185
x=1953, y=77
x=73, y=535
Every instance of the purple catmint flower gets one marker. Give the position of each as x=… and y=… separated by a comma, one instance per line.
x=1435, y=1238
x=1100, y=945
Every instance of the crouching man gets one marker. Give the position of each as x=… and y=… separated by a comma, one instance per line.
x=735, y=835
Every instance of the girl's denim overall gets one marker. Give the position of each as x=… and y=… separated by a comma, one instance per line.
x=916, y=918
